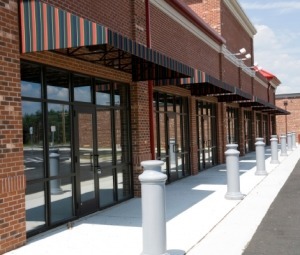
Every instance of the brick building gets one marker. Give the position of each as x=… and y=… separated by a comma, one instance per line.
x=88, y=90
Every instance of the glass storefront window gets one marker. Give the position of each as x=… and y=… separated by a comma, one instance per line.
x=82, y=89
x=59, y=136
x=121, y=137
x=104, y=136
x=33, y=140
x=172, y=135
x=124, y=181
x=31, y=80
x=117, y=94
x=61, y=202
x=52, y=109
x=57, y=85
x=103, y=96
x=206, y=134
x=35, y=206
x=233, y=125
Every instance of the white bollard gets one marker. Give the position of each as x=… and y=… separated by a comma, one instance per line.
x=283, y=145
x=289, y=141
x=153, y=208
x=260, y=157
x=233, y=176
x=294, y=140
x=274, y=150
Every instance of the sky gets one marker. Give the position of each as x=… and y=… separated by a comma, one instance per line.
x=277, y=42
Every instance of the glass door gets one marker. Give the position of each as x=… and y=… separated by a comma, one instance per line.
x=86, y=159
x=107, y=169
x=172, y=146
x=207, y=142
x=206, y=134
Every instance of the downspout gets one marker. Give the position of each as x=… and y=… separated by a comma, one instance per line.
x=150, y=84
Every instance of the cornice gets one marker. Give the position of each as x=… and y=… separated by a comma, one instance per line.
x=240, y=15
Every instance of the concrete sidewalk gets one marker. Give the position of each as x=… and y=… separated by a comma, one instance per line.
x=199, y=219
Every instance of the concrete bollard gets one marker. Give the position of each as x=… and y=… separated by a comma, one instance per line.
x=283, y=145
x=294, y=146
x=274, y=150
x=289, y=141
x=260, y=157
x=54, y=171
x=233, y=176
x=153, y=208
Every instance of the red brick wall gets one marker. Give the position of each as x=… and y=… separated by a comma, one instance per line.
x=260, y=90
x=235, y=35
x=230, y=72
x=221, y=131
x=176, y=42
x=139, y=130
x=246, y=82
x=272, y=95
x=208, y=10
x=241, y=132
x=12, y=179
x=193, y=136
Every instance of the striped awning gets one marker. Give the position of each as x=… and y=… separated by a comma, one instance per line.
x=45, y=27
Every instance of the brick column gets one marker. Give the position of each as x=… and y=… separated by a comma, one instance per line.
x=221, y=131
x=193, y=137
x=12, y=179
x=140, y=130
x=254, y=131
x=241, y=132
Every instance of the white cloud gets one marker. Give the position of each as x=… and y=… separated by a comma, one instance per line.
x=274, y=54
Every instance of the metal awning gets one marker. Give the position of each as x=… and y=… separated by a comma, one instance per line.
x=45, y=27
x=258, y=104
x=202, y=84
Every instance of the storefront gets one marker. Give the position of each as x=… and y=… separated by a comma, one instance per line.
x=89, y=91
x=77, y=151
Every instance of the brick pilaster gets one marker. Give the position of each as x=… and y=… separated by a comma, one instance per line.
x=12, y=179
x=140, y=130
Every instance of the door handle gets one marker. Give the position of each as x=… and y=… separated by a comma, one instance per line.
x=97, y=167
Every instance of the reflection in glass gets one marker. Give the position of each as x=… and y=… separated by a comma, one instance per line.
x=121, y=134
x=35, y=206
x=172, y=132
x=104, y=136
x=102, y=93
x=118, y=90
x=123, y=176
x=82, y=89
x=106, y=186
x=85, y=136
x=105, y=151
x=57, y=84
x=31, y=80
x=33, y=133
x=59, y=133
x=61, y=204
